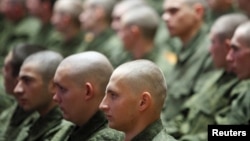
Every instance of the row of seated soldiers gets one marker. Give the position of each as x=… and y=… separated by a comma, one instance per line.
x=58, y=26
x=198, y=93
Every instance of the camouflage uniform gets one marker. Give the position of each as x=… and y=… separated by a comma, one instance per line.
x=238, y=112
x=70, y=47
x=95, y=129
x=13, y=120
x=6, y=100
x=15, y=33
x=47, y=36
x=156, y=4
x=106, y=43
x=154, y=132
x=199, y=110
x=193, y=60
x=44, y=128
x=159, y=56
x=164, y=40
x=2, y=34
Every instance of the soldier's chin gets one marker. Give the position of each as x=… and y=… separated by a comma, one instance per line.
x=172, y=34
x=111, y=125
x=23, y=105
x=65, y=116
x=26, y=108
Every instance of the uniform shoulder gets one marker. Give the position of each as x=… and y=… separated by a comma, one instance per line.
x=164, y=136
x=107, y=134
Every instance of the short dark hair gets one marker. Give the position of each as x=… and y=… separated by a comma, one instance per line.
x=20, y=53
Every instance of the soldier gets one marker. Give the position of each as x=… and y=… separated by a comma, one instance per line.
x=200, y=110
x=18, y=26
x=65, y=20
x=34, y=92
x=141, y=86
x=13, y=119
x=161, y=38
x=80, y=81
x=184, y=19
x=238, y=110
x=96, y=20
x=121, y=8
x=137, y=33
x=43, y=10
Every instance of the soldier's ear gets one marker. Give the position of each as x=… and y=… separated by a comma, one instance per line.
x=89, y=91
x=199, y=10
x=135, y=30
x=145, y=101
x=227, y=43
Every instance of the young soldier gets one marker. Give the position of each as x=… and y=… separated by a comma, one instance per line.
x=133, y=102
x=34, y=92
x=14, y=118
x=65, y=20
x=184, y=19
x=80, y=81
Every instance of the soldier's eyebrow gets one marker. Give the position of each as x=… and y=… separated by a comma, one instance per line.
x=58, y=85
x=172, y=10
x=109, y=91
x=234, y=47
x=25, y=78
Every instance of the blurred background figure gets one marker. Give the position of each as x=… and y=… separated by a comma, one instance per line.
x=66, y=22
x=237, y=113
x=184, y=19
x=137, y=33
x=14, y=118
x=96, y=23
x=17, y=26
x=43, y=10
x=121, y=8
x=200, y=109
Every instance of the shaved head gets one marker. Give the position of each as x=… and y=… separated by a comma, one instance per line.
x=244, y=31
x=46, y=62
x=143, y=76
x=140, y=17
x=121, y=8
x=225, y=25
x=107, y=5
x=126, y=5
x=72, y=7
x=89, y=66
x=192, y=2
